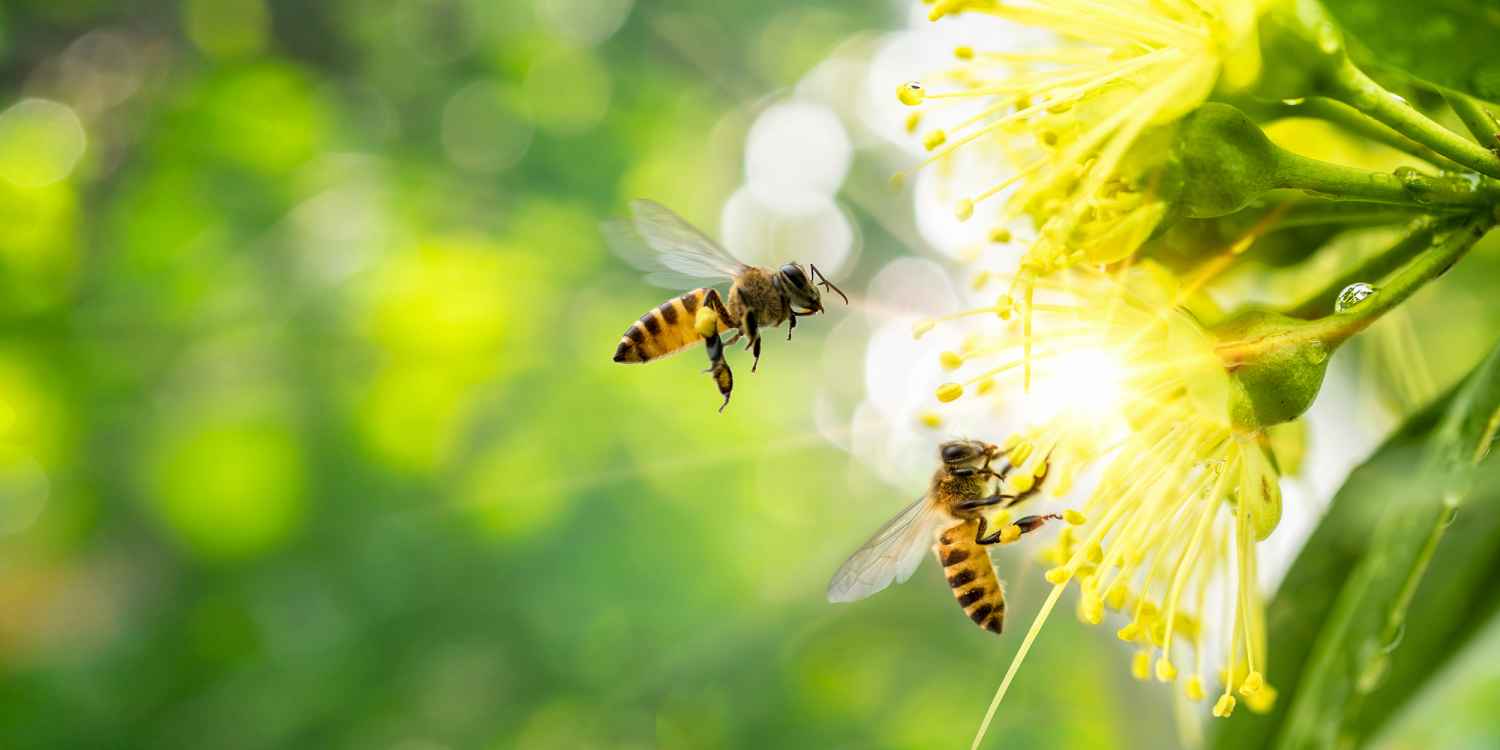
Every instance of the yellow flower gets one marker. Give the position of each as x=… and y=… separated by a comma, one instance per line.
x=1069, y=118
x=1131, y=391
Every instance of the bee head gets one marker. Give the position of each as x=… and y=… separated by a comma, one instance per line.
x=800, y=289
x=967, y=455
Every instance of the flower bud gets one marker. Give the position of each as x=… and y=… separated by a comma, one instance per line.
x=1276, y=368
x=1222, y=162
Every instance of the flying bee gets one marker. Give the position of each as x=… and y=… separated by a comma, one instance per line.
x=950, y=518
x=677, y=255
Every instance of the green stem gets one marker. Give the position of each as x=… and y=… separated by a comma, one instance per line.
x=1332, y=330
x=1399, y=286
x=1357, y=123
x=1417, y=239
x=1405, y=186
x=1325, y=212
x=1350, y=85
x=1476, y=118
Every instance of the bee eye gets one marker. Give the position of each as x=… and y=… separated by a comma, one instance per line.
x=953, y=452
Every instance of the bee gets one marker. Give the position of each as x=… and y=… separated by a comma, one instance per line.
x=950, y=517
x=677, y=255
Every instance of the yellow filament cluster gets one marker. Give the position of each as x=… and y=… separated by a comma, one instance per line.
x=1181, y=497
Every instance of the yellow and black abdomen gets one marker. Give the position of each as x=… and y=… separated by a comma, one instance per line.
x=972, y=576
x=667, y=329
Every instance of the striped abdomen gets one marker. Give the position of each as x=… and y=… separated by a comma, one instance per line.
x=970, y=573
x=666, y=329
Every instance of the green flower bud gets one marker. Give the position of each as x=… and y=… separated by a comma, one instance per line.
x=1275, y=366
x=1222, y=161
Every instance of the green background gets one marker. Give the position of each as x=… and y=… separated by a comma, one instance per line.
x=312, y=347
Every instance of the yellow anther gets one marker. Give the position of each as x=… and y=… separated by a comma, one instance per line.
x=1224, y=706
x=951, y=360
x=1000, y=234
x=911, y=93
x=1263, y=700
x=931, y=419
x=1010, y=442
x=1140, y=665
x=985, y=386
x=921, y=327
x=1129, y=633
x=1253, y=684
x=1004, y=306
x=1091, y=609
x=933, y=139
x=913, y=121
x=949, y=392
x=1074, y=517
x=1194, y=688
x=1094, y=553
x=1001, y=518
x=1059, y=575
x=980, y=279
x=1020, y=453
x=706, y=322
x=1165, y=672
x=1010, y=534
x=963, y=52
x=964, y=209
x=1117, y=595
x=1020, y=483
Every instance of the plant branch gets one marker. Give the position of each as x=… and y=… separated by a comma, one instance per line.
x=1446, y=249
x=1358, y=123
x=1350, y=85
x=1333, y=330
x=1405, y=186
x=1417, y=239
x=1476, y=118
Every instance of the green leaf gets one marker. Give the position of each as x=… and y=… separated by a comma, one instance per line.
x=1339, y=622
x=1447, y=42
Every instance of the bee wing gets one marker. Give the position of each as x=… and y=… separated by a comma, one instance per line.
x=670, y=250
x=893, y=554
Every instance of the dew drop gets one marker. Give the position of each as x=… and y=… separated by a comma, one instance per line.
x=1352, y=295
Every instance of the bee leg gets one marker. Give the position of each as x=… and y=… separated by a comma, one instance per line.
x=710, y=316
x=791, y=324
x=752, y=331
x=1026, y=524
x=981, y=502
x=723, y=377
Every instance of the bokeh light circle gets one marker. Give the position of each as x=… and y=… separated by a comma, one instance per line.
x=796, y=150
x=482, y=132
x=41, y=142
x=821, y=233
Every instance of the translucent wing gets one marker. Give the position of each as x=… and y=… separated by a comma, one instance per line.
x=893, y=554
x=671, y=252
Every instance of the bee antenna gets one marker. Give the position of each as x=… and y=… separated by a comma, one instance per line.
x=826, y=284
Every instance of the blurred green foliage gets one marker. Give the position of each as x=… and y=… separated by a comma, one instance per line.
x=308, y=432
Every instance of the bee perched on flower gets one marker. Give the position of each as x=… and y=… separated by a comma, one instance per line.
x=1065, y=122
x=1137, y=398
